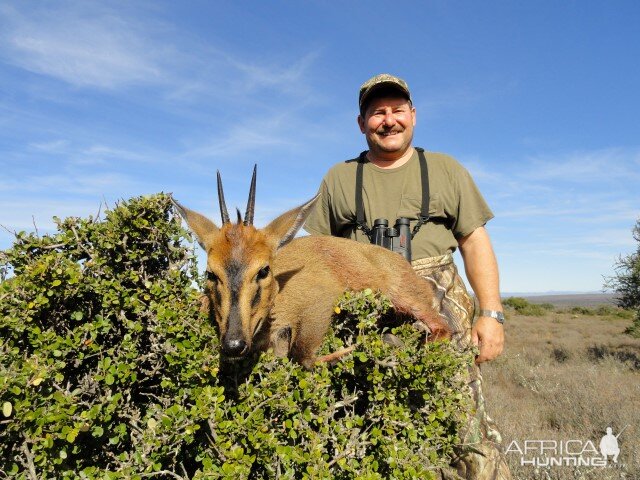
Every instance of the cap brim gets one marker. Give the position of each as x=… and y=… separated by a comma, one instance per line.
x=380, y=85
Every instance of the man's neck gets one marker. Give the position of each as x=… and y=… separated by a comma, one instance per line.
x=391, y=161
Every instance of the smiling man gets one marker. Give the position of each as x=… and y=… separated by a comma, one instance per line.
x=392, y=180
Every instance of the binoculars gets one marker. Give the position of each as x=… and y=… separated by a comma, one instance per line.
x=396, y=238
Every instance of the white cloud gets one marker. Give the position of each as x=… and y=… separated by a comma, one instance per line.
x=67, y=183
x=51, y=147
x=287, y=79
x=112, y=153
x=605, y=165
x=104, y=46
x=81, y=44
x=248, y=136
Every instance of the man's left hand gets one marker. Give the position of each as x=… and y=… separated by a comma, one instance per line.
x=488, y=334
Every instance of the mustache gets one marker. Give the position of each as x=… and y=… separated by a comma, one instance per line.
x=394, y=129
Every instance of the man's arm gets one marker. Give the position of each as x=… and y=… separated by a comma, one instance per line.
x=482, y=272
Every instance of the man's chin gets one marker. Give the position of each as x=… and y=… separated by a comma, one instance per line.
x=391, y=147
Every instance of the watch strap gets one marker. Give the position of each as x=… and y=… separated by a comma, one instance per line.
x=499, y=316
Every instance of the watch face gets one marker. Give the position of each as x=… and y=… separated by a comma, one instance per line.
x=499, y=316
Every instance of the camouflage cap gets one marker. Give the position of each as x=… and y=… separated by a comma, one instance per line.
x=382, y=80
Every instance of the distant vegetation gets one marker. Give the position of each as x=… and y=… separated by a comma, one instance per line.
x=626, y=282
x=522, y=306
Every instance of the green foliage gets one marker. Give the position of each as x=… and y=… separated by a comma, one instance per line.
x=612, y=311
x=626, y=282
x=602, y=311
x=108, y=369
x=523, y=307
x=634, y=328
x=581, y=311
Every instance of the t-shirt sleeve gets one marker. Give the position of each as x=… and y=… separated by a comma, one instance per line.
x=318, y=221
x=473, y=211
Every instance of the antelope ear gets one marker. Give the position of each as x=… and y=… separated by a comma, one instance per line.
x=200, y=225
x=285, y=227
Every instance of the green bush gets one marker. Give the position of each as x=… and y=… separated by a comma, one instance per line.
x=626, y=283
x=603, y=311
x=108, y=369
x=582, y=311
x=523, y=307
x=634, y=328
x=612, y=311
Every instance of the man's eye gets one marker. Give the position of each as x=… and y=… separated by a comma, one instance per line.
x=263, y=273
x=212, y=277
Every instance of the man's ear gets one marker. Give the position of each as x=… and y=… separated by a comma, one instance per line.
x=361, y=123
x=200, y=225
x=284, y=228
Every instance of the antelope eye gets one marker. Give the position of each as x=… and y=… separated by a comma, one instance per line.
x=263, y=273
x=212, y=277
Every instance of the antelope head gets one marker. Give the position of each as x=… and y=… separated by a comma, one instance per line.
x=240, y=283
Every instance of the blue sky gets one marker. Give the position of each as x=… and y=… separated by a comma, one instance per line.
x=539, y=100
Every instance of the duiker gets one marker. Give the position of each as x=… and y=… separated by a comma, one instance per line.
x=265, y=287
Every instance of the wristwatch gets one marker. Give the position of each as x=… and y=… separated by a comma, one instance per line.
x=499, y=316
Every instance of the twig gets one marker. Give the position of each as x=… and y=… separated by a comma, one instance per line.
x=214, y=443
x=259, y=406
x=33, y=220
x=80, y=243
x=350, y=448
x=337, y=355
x=14, y=233
x=99, y=210
x=346, y=402
x=184, y=470
x=29, y=457
x=51, y=247
x=163, y=472
x=104, y=199
x=388, y=364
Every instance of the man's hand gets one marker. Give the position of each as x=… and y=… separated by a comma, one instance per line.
x=482, y=271
x=488, y=334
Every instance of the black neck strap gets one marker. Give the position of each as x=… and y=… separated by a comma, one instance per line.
x=361, y=222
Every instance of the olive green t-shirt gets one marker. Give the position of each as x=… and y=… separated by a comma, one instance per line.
x=456, y=207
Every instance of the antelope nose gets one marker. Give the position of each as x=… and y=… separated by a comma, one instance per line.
x=235, y=348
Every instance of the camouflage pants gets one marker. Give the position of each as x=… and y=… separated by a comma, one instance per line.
x=480, y=457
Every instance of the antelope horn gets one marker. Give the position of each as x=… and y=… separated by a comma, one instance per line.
x=223, y=206
x=248, y=217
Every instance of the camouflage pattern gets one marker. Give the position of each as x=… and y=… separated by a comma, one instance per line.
x=380, y=80
x=480, y=457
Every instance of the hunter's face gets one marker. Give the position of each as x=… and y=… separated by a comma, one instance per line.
x=388, y=125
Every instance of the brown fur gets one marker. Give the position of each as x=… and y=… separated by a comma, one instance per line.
x=306, y=276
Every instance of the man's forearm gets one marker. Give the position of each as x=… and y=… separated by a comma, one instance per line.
x=482, y=272
x=481, y=268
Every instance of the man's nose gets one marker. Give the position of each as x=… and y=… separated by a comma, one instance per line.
x=389, y=118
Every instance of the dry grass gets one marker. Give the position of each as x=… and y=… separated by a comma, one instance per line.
x=564, y=377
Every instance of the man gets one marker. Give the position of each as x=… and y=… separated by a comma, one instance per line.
x=393, y=180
